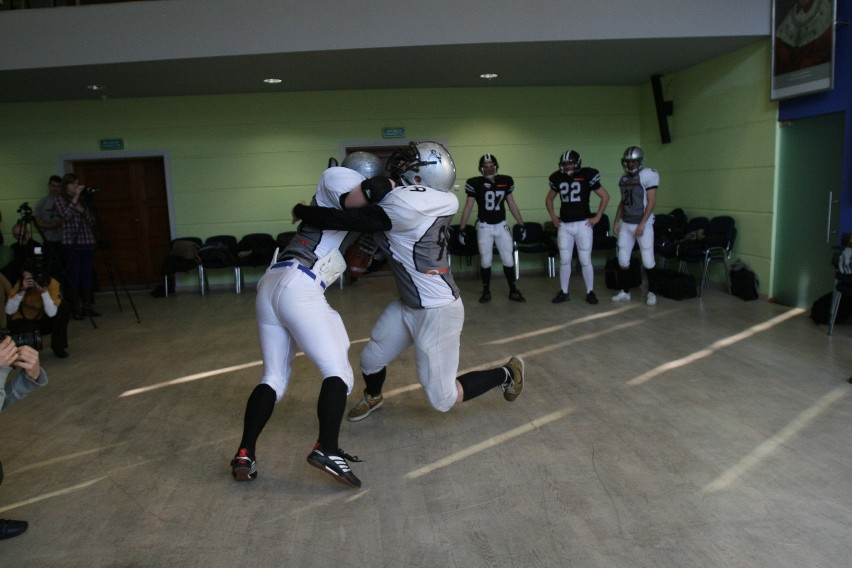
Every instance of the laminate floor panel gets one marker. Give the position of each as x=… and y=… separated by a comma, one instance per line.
x=707, y=432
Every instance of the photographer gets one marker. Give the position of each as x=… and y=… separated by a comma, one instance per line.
x=78, y=244
x=49, y=224
x=29, y=375
x=35, y=305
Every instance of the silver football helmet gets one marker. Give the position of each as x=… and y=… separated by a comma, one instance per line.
x=570, y=162
x=365, y=163
x=633, y=159
x=423, y=163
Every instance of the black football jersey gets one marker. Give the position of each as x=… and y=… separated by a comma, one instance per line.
x=490, y=196
x=574, y=192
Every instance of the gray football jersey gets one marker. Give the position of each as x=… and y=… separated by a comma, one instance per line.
x=634, y=189
x=416, y=244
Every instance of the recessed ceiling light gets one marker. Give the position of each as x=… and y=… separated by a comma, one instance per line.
x=94, y=87
x=272, y=81
x=488, y=76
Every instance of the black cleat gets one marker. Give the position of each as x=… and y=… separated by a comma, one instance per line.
x=515, y=296
x=335, y=465
x=243, y=466
x=485, y=297
x=560, y=297
x=591, y=298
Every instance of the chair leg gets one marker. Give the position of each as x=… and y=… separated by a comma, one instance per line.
x=517, y=265
x=835, y=304
x=238, y=280
x=166, y=285
x=202, y=280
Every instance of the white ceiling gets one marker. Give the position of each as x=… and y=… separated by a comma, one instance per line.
x=188, y=47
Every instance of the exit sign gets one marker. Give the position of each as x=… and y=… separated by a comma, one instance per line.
x=112, y=144
x=393, y=132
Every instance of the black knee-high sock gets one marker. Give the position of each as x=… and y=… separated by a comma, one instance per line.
x=259, y=408
x=475, y=383
x=330, y=407
x=652, y=279
x=375, y=382
x=622, y=279
x=485, y=274
x=509, y=271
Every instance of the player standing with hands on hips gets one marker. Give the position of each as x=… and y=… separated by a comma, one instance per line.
x=411, y=225
x=638, y=188
x=574, y=184
x=492, y=192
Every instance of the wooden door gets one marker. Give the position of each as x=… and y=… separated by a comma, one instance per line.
x=132, y=219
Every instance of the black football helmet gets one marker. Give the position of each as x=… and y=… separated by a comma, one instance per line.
x=570, y=162
x=488, y=158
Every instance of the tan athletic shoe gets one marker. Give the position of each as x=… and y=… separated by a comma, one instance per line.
x=515, y=385
x=364, y=407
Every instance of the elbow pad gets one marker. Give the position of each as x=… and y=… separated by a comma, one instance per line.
x=376, y=188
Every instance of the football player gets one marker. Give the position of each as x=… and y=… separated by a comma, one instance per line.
x=292, y=313
x=574, y=184
x=411, y=225
x=492, y=192
x=638, y=188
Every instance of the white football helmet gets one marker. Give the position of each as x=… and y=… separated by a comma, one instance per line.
x=633, y=159
x=423, y=163
x=365, y=163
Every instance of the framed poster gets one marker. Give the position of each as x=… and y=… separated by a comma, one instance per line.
x=802, y=47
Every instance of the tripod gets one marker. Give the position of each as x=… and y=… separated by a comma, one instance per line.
x=102, y=242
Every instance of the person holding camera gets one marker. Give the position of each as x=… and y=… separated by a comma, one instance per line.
x=22, y=364
x=49, y=223
x=35, y=305
x=78, y=244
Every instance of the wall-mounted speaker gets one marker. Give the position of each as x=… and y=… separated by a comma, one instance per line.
x=664, y=109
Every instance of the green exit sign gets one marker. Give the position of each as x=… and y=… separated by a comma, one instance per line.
x=393, y=132
x=112, y=144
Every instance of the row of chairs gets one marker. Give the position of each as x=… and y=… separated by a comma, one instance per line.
x=221, y=252
x=699, y=240
x=539, y=239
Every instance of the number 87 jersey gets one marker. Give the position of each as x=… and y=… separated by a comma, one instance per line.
x=574, y=190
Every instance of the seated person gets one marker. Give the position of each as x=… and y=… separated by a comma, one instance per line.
x=32, y=306
x=21, y=363
x=23, y=248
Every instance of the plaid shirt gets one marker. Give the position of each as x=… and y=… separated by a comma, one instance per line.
x=76, y=226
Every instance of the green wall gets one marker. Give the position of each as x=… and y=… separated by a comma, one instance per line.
x=721, y=160
x=238, y=163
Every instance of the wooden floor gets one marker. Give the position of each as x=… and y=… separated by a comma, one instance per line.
x=710, y=432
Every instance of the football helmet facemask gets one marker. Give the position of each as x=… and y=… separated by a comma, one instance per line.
x=365, y=163
x=488, y=165
x=570, y=162
x=633, y=159
x=423, y=163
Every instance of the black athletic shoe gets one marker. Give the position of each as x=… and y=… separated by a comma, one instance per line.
x=243, y=466
x=591, y=298
x=335, y=465
x=485, y=297
x=515, y=296
x=560, y=297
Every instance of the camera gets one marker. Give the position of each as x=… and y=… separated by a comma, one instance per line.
x=90, y=190
x=25, y=212
x=39, y=270
x=31, y=338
